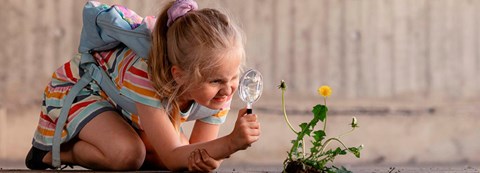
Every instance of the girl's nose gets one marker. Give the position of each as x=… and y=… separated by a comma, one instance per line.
x=226, y=91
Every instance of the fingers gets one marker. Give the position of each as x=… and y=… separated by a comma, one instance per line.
x=246, y=130
x=205, y=157
x=250, y=117
x=251, y=121
x=254, y=130
x=241, y=113
x=200, y=161
x=249, y=134
x=192, y=167
x=208, y=160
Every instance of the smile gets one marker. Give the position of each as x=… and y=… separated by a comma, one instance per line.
x=221, y=99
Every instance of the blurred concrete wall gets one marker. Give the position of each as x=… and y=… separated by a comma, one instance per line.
x=391, y=62
x=362, y=48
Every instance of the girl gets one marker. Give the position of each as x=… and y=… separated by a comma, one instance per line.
x=194, y=61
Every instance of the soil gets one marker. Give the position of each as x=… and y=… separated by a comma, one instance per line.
x=299, y=167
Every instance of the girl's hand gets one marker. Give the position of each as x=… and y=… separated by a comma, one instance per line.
x=200, y=161
x=246, y=130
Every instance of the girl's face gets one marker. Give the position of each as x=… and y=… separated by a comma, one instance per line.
x=219, y=87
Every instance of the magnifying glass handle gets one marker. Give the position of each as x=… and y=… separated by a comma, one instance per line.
x=249, y=108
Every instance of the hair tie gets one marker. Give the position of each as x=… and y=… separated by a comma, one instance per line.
x=180, y=8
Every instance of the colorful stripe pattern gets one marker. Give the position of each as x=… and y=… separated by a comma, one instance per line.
x=129, y=73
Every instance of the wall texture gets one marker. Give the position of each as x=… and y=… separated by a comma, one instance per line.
x=362, y=48
x=414, y=65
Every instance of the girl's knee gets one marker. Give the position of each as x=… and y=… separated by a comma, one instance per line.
x=128, y=156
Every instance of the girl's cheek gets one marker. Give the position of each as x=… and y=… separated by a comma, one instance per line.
x=234, y=88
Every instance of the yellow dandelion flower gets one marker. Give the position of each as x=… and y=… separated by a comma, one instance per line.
x=325, y=91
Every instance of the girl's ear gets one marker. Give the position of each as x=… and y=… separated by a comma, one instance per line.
x=177, y=74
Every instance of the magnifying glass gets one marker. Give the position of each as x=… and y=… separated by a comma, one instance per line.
x=250, y=88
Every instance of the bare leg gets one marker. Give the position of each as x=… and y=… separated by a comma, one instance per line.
x=152, y=160
x=107, y=142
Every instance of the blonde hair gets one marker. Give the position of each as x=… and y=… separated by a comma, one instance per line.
x=196, y=43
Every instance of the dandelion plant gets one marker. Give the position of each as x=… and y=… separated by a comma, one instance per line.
x=320, y=154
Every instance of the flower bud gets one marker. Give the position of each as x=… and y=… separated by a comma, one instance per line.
x=282, y=85
x=354, y=123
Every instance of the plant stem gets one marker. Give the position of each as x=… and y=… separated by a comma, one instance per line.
x=328, y=142
x=303, y=145
x=325, y=123
x=346, y=133
x=285, y=112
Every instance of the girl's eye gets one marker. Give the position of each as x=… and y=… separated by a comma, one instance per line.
x=216, y=81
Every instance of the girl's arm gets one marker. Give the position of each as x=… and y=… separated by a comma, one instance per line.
x=202, y=132
x=174, y=155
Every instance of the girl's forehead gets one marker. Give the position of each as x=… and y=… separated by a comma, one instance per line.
x=227, y=65
x=233, y=63
x=216, y=62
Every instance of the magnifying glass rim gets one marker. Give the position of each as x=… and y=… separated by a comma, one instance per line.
x=240, y=88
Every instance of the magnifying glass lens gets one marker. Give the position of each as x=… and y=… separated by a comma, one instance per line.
x=250, y=88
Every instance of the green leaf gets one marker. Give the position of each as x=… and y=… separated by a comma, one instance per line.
x=355, y=151
x=339, y=151
x=303, y=126
x=305, y=129
x=320, y=112
x=319, y=135
x=316, y=143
